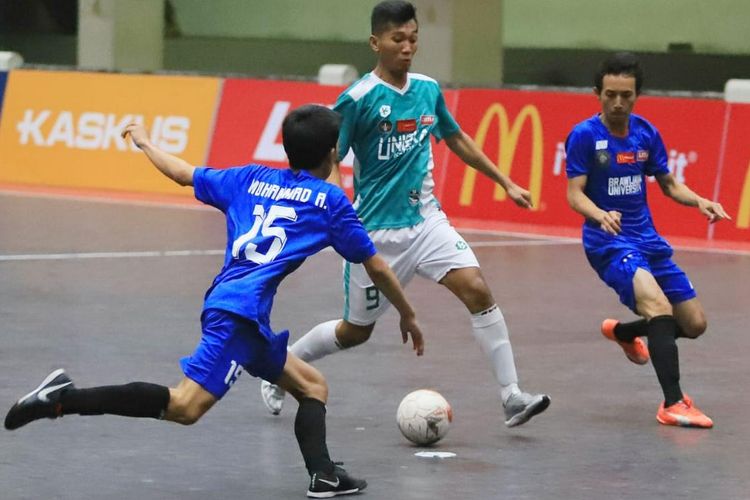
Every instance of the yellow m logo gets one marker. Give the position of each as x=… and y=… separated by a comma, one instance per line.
x=743, y=215
x=507, y=142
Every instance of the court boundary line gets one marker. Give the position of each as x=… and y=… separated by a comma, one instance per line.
x=137, y=254
x=192, y=204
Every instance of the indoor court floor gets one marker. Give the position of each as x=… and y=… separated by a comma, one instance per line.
x=112, y=292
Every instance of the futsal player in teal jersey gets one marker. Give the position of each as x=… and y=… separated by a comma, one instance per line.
x=275, y=218
x=609, y=156
x=388, y=117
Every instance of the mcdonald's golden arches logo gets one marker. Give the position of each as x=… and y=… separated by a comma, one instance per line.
x=507, y=144
x=743, y=214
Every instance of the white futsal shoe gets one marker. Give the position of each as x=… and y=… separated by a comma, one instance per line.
x=273, y=396
x=521, y=406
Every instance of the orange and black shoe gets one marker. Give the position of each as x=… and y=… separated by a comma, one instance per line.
x=684, y=414
x=636, y=351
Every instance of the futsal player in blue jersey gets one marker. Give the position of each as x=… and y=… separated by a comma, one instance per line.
x=275, y=220
x=388, y=118
x=609, y=157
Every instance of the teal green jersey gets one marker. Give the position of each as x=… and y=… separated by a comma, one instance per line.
x=389, y=131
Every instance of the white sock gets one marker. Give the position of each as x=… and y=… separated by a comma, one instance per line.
x=317, y=343
x=488, y=328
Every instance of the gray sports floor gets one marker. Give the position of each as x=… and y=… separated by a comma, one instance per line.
x=112, y=292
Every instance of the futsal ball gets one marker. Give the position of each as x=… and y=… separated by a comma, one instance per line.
x=424, y=417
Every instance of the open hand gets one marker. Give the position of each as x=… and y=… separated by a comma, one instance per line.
x=712, y=210
x=410, y=326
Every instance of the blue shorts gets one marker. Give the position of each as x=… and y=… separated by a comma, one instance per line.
x=616, y=267
x=229, y=345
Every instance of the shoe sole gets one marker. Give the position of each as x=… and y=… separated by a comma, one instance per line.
x=331, y=494
x=682, y=422
x=637, y=361
x=530, y=411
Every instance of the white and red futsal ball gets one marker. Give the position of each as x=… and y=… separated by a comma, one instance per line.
x=424, y=417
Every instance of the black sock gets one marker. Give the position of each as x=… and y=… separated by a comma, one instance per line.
x=663, y=350
x=137, y=399
x=627, y=332
x=310, y=429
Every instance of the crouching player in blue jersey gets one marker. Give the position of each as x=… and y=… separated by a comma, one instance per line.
x=608, y=158
x=388, y=118
x=275, y=220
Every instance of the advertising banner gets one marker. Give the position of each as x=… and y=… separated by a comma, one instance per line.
x=523, y=133
x=734, y=187
x=62, y=129
x=248, y=124
x=692, y=132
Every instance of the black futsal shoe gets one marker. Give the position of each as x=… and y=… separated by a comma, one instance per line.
x=334, y=484
x=42, y=402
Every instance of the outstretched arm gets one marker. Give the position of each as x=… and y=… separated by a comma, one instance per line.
x=578, y=201
x=465, y=148
x=383, y=278
x=680, y=193
x=173, y=167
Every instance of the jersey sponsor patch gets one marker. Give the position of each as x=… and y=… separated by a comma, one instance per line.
x=427, y=119
x=406, y=126
x=601, y=145
x=642, y=155
x=627, y=185
x=626, y=157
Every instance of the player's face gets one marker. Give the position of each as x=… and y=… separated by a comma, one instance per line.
x=396, y=46
x=617, y=97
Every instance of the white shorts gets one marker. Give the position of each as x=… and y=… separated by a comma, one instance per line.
x=429, y=249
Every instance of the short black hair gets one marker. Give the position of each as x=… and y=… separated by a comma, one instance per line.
x=309, y=133
x=396, y=12
x=620, y=63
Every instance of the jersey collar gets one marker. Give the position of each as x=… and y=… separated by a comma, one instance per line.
x=401, y=91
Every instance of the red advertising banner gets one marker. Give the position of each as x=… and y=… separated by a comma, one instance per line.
x=524, y=134
x=734, y=187
x=692, y=133
x=248, y=125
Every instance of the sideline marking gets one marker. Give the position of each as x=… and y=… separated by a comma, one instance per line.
x=202, y=253
x=192, y=204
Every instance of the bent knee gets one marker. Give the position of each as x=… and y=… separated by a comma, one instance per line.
x=315, y=387
x=184, y=411
x=350, y=335
x=695, y=328
x=476, y=295
x=184, y=414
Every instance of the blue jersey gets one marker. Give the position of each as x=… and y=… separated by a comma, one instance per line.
x=389, y=130
x=616, y=170
x=275, y=220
